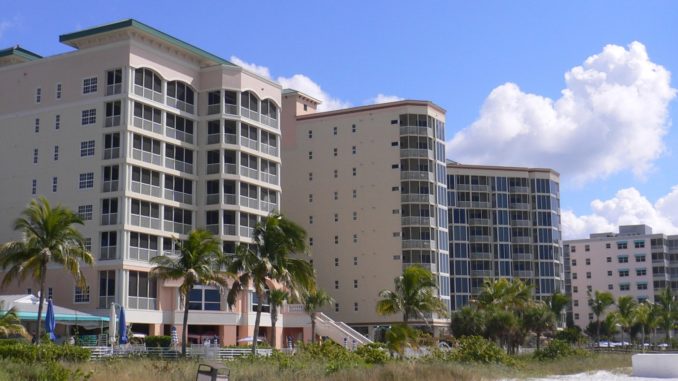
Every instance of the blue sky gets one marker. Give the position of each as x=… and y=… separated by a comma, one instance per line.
x=455, y=54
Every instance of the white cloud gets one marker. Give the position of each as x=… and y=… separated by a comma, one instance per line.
x=611, y=116
x=256, y=69
x=5, y=25
x=383, y=98
x=627, y=207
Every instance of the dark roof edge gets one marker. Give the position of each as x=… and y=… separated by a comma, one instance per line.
x=21, y=52
x=65, y=38
x=377, y=106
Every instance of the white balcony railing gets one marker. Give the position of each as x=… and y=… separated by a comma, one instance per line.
x=109, y=219
x=229, y=199
x=141, y=303
x=230, y=138
x=181, y=105
x=147, y=125
x=249, y=172
x=147, y=189
x=108, y=253
x=145, y=221
x=148, y=93
x=114, y=88
x=111, y=153
x=146, y=156
x=142, y=254
x=112, y=121
x=186, y=198
x=229, y=229
x=231, y=109
x=110, y=186
x=178, y=165
x=179, y=135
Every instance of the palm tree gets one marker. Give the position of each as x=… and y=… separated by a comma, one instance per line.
x=669, y=308
x=276, y=239
x=469, y=321
x=414, y=296
x=48, y=237
x=641, y=316
x=557, y=302
x=539, y=318
x=10, y=323
x=504, y=294
x=626, y=306
x=599, y=303
x=197, y=264
x=313, y=301
x=276, y=298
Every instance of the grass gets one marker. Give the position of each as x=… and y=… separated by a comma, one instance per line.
x=318, y=370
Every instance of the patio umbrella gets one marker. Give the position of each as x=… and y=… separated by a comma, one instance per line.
x=50, y=322
x=111, y=325
x=122, y=326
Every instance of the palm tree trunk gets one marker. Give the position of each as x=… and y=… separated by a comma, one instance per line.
x=538, y=336
x=643, y=343
x=256, y=323
x=274, y=320
x=597, y=331
x=312, y=327
x=184, y=331
x=622, y=338
x=40, y=304
x=406, y=319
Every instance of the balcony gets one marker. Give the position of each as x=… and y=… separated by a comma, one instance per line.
x=212, y=168
x=141, y=303
x=230, y=169
x=181, y=105
x=271, y=122
x=249, y=172
x=148, y=125
x=480, y=238
x=249, y=114
x=213, y=138
x=481, y=204
x=230, y=138
x=110, y=186
x=142, y=254
x=523, y=273
x=179, y=135
x=177, y=227
x=173, y=195
x=249, y=143
x=146, y=156
x=417, y=198
x=521, y=239
x=178, y=165
x=108, y=253
x=518, y=189
x=418, y=244
x=145, y=221
x=105, y=301
x=420, y=131
x=416, y=220
x=268, y=206
x=147, y=189
x=269, y=178
x=229, y=229
x=480, y=187
x=112, y=121
x=212, y=198
x=522, y=256
x=111, y=153
x=463, y=187
x=148, y=93
x=231, y=109
x=416, y=153
x=481, y=256
x=417, y=175
x=482, y=273
x=213, y=109
x=479, y=221
x=249, y=202
x=109, y=219
x=269, y=150
x=247, y=231
x=212, y=228
x=112, y=89
x=520, y=222
x=519, y=205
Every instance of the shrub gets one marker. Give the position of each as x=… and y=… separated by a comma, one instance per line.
x=478, y=349
x=43, y=353
x=53, y=371
x=556, y=349
x=572, y=335
x=372, y=353
x=158, y=341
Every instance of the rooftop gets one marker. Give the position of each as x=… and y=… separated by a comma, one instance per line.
x=372, y=107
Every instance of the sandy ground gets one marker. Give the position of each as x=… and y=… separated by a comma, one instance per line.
x=599, y=376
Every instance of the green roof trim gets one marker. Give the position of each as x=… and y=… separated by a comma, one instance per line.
x=21, y=52
x=150, y=30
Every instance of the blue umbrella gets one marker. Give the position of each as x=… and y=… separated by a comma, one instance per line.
x=122, y=326
x=50, y=322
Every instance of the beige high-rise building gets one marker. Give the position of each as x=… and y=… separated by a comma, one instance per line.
x=504, y=223
x=368, y=184
x=146, y=137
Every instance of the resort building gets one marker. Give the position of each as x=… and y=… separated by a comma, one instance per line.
x=368, y=185
x=504, y=222
x=634, y=262
x=146, y=137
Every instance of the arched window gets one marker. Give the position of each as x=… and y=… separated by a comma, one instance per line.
x=148, y=84
x=181, y=96
x=269, y=109
x=249, y=101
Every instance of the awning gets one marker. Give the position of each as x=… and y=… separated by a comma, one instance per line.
x=26, y=307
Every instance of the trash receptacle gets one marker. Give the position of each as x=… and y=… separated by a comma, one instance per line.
x=212, y=372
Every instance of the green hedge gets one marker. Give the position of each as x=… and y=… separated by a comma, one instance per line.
x=158, y=341
x=479, y=349
x=43, y=353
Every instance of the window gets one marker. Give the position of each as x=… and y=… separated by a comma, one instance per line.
x=336, y=195
x=34, y=186
x=86, y=180
x=355, y=306
x=575, y=289
x=588, y=275
x=355, y=216
x=355, y=283
x=574, y=262
x=355, y=238
x=638, y=244
x=610, y=287
x=395, y=211
x=113, y=81
x=204, y=298
x=88, y=244
x=336, y=239
x=35, y=156
x=336, y=217
x=335, y=151
x=574, y=275
x=587, y=247
x=641, y=286
x=310, y=197
x=310, y=176
x=588, y=261
x=58, y=91
x=336, y=284
x=354, y=171
x=85, y=212
x=576, y=303
x=576, y=316
x=56, y=153
x=624, y=287
x=88, y=116
x=640, y=257
x=355, y=261
x=573, y=249
x=310, y=155
x=38, y=95
x=353, y=150
x=87, y=148
x=355, y=193
x=50, y=293
x=609, y=259
x=106, y=288
x=590, y=316
x=393, y=166
x=623, y=273
x=310, y=241
x=310, y=220
x=353, y=128
x=589, y=288
x=623, y=259
x=89, y=85
x=336, y=173
x=622, y=245
x=394, y=144
x=336, y=305
x=336, y=262
x=608, y=245
x=57, y=122
x=142, y=287
x=109, y=245
x=334, y=130
x=310, y=134
x=81, y=294
x=609, y=272
x=37, y=125
x=641, y=272
x=54, y=184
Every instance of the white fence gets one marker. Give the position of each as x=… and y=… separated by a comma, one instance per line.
x=196, y=351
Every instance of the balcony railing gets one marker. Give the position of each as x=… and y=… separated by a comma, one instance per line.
x=249, y=202
x=231, y=109
x=213, y=138
x=178, y=165
x=247, y=113
x=481, y=256
x=179, y=135
x=177, y=227
x=479, y=221
x=229, y=199
x=212, y=228
x=181, y=105
x=142, y=254
x=519, y=205
x=148, y=93
x=419, y=198
x=481, y=204
x=519, y=189
x=145, y=221
x=249, y=172
x=520, y=222
x=112, y=121
x=268, y=206
x=229, y=229
x=418, y=244
x=416, y=175
x=231, y=169
x=416, y=220
x=480, y=238
x=480, y=187
x=108, y=253
x=146, y=156
x=230, y=138
x=247, y=231
x=269, y=121
x=186, y=198
x=109, y=219
x=141, y=303
x=269, y=150
x=148, y=125
x=521, y=239
x=416, y=153
x=111, y=153
x=212, y=198
x=213, y=109
x=212, y=168
x=422, y=131
x=269, y=178
x=482, y=273
x=110, y=186
x=523, y=273
x=249, y=143
x=147, y=189
x=522, y=256
x=105, y=301
x=115, y=88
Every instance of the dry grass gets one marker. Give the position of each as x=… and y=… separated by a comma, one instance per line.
x=255, y=370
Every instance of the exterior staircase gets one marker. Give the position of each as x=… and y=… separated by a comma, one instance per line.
x=339, y=332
